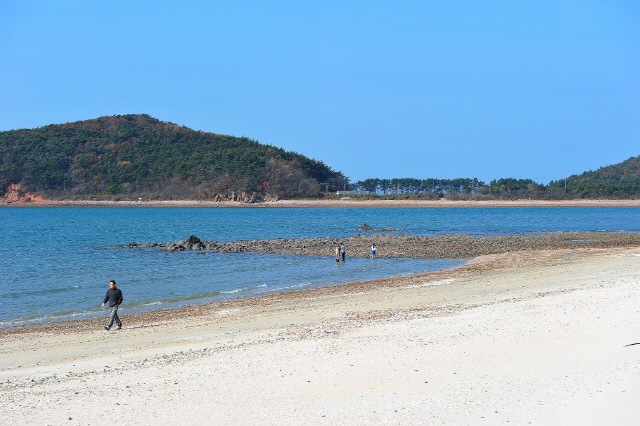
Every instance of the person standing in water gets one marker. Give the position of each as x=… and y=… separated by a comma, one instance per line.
x=338, y=253
x=373, y=251
x=343, y=250
x=114, y=297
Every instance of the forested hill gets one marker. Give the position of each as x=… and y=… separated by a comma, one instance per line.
x=622, y=174
x=130, y=156
x=620, y=181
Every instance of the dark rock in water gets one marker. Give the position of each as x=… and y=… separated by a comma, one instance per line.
x=192, y=240
x=145, y=245
x=177, y=246
x=366, y=227
x=194, y=243
x=211, y=245
x=191, y=243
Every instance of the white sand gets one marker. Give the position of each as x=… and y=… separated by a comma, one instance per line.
x=340, y=202
x=521, y=342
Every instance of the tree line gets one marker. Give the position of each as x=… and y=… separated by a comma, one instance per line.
x=440, y=186
x=132, y=156
x=573, y=187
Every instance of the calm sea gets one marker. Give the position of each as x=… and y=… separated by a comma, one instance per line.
x=57, y=261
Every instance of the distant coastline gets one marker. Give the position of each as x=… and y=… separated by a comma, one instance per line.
x=344, y=202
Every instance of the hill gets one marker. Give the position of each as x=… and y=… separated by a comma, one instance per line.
x=618, y=181
x=131, y=156
x=612, y=180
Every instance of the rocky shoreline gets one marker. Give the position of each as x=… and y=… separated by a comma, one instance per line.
x=408, y=246
x=341, y=202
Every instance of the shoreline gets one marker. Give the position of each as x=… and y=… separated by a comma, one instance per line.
x=481, y=263
x=344, y=202
x=454, y=246
x=540, y=336
x=471, y=249
x=183, y=306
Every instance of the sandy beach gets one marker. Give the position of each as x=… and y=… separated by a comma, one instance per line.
x=342, y=202
x=526, y=337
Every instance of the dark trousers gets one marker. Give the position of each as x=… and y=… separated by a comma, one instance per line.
x=114, y=317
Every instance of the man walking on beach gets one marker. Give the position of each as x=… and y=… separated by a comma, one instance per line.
x=114, y=297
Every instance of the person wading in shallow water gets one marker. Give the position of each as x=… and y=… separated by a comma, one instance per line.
x=114, y=297
x=343, y=251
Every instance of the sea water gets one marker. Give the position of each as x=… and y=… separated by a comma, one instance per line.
x=57, y=261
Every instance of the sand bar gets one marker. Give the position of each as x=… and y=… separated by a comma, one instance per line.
x=539, y=336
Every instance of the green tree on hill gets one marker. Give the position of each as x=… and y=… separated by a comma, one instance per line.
x=620, y=180
x=140, y=155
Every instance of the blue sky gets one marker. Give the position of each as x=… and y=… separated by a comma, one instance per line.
x=485, y=89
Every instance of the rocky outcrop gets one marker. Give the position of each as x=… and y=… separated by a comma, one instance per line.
x=191, y=243
x=14, y=195
x=366, y=227
x=411, y=246
x=239, y=197
x=145, y=245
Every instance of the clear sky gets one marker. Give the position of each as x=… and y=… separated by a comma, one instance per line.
x=486, y=89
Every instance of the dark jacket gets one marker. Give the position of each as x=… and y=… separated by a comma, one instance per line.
x=114, y=297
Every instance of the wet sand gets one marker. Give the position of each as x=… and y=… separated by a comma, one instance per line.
x=544, y=336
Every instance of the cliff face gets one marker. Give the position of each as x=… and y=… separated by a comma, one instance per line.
x=14, y=195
